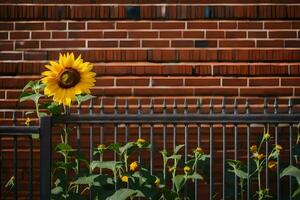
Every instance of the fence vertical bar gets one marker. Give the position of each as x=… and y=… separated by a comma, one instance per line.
x=45, y=158
x=278, y=158
x=126, y=125
x=224, y=149
x=211, y=153
x=15, y=160
x=15, y=145
x=174, y=126
x=247, y=106
x=30, y=168
x=266, y=144
x=235, y=111
x=290, y=107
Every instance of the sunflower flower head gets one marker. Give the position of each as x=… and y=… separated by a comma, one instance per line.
x=186, y=169
x=199, y=150
x=28, y=121
x=157, y=181
x=67, y=78
x=141, y=141
x=253, y=149
x=272, y=164
x=133, y=166
x=124, y=179
x=171, y=169
x=258, y=156
x=278, y=147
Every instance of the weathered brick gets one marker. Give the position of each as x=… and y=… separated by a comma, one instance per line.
x=40, y=35
x=29, y=26
x=62, y=44
x=143, y=34
x=103, y=43
x=19, y=35
x=56, y=26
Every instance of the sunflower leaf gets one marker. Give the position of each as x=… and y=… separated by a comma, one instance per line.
x=28, y=85
x=83, y=97
x=25, y=96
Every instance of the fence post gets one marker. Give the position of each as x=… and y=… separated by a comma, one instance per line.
x=45, y=158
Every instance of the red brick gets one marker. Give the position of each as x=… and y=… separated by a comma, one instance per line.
x=143, y=34
x=182, y=43
x=86, y=34
x=103, y=43
x=104, y=81
x=56, y=26
x=62, y=44
x=263, y=82
x=199, y=81
x=282, y=34
x=237, y=43
x=19, y=35
x=250, y=25
x=155, y=43
x=27, y=44
x=6, y=26
x=40, y=35
x=193, y=34
x=59, y=34
x=76, y=25
x=292, y=43
x=163, y=91
x=170, y=34
x=216, y=91
x=111, y=91
x=10, y=56
x=35, y=55
x=295, y=69
x=132, y=81
x=266, y=91
x=235, y=34
x=115, y=34
x=6, y=46
x=202, y=25
x=129, y=43
x=278, y=25
x=215, y=34
x=290, y=81
x=158, y=55
x=270, y=43
x=168, y=25
x=234, y=82
x=167, y=82
x=101, y=25
x=3, y=36
x=297, y=91
x=257, y=34
x=227, y=25
x=133, y=25
x=29, y=26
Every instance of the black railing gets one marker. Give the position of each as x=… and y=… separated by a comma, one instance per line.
x=226, y=131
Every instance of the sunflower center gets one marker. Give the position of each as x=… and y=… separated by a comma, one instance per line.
x=69, y=78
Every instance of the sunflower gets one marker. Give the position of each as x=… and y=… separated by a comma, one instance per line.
x=67, y=78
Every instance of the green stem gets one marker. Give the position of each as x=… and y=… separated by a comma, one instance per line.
x=242, y=190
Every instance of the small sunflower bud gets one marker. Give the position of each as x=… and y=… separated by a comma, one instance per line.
x=124, y=179
x=133, y=166
x=186, y=169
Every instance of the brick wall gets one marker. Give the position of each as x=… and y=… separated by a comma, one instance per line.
x=173, y=48
x=197, y=49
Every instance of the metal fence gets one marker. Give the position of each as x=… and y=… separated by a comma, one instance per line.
x=225, y=129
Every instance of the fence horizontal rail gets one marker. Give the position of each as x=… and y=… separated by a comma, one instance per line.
x=18, y=130
x=179, y=118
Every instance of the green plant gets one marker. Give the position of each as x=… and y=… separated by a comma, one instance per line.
x=260, y=160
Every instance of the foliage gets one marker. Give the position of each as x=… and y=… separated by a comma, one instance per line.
x=261, y=161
